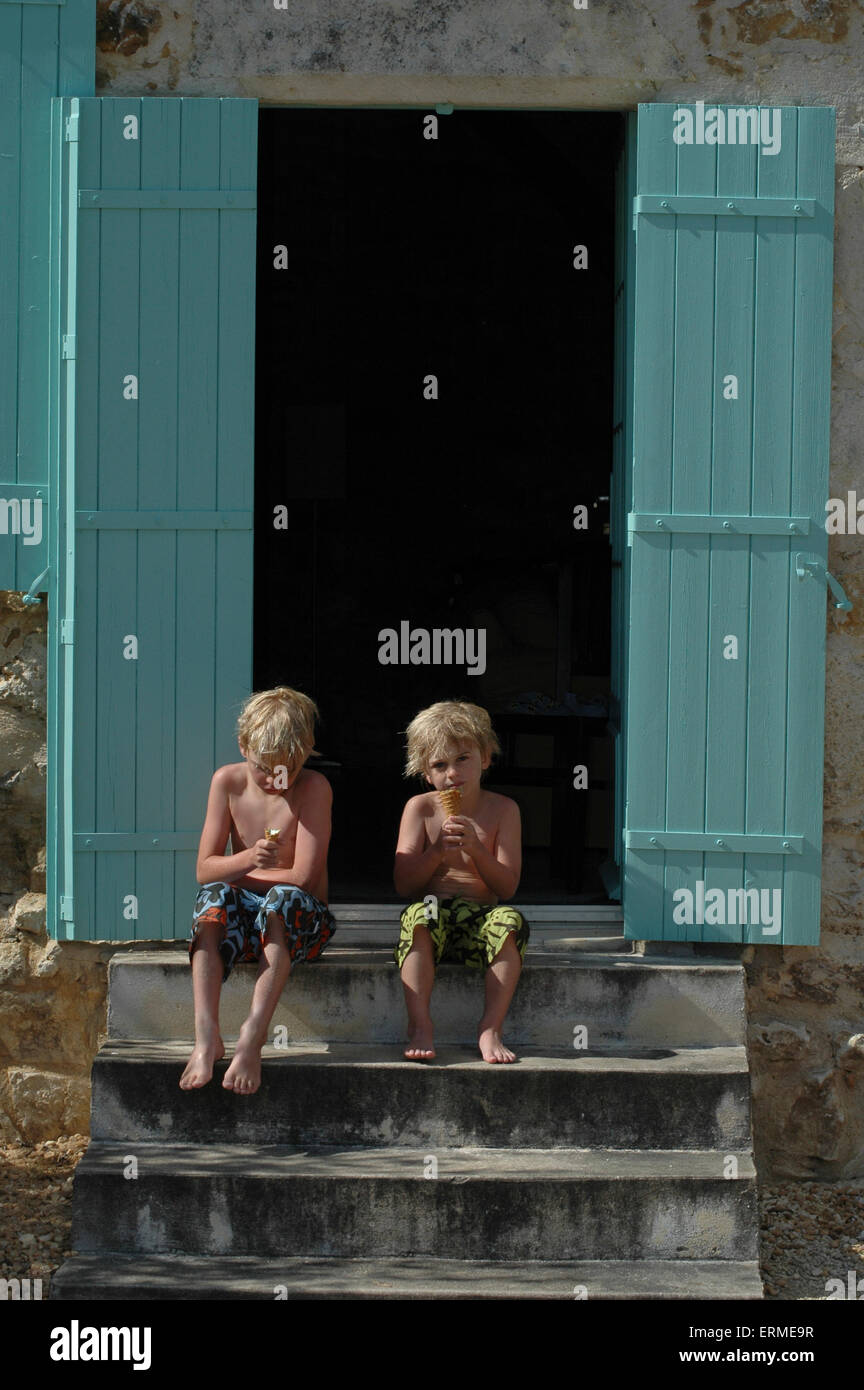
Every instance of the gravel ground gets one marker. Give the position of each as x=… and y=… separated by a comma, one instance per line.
x=35, y=1206
x=810, y=1231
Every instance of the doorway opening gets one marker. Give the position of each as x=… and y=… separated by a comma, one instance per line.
x=434, y=381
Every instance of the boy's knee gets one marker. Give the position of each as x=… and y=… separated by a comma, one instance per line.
x=508, y=949
x=421, y=940
x=274, y=925
x=207, y=938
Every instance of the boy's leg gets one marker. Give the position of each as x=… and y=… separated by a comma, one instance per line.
x=207, y=972
x=494, y=940
x=418, y=977
x=244, y=1074
x=502, y=977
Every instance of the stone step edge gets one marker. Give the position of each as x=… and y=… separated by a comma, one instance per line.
x=247, y=1277
x=351, y=1162
x=720, y=1060
x=364, y=956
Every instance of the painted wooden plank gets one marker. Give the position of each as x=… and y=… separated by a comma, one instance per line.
x=142, y=520
x=55, y=789
x=197, y=619
x=116, y=718
x=694, y=327
x=196, y=694
x=56, y=54
x=159, y=198
x=235, y=459
x=81, y=570
x=152, y=844
x=621, y=456
x=811, y=385
x=38, y=84
x=731, y=204
x=185, y=890
x=774, y=266
x=76, y=73
x=724, y=844
x=84, y=784
x=649, y=581
x=724, y=521
x=10, y=165
x=728, y=560
x=118, y=580
x=236, y=267
x=626, y=489
x=154, y=731
x=157, y=675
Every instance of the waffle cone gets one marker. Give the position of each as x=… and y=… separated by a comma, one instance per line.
x=450, y=798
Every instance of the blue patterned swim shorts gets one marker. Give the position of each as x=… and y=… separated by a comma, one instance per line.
x=242, y=916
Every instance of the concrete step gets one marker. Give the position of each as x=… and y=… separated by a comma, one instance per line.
x=268, y=1200
x=615, y=1097
x=150, y=1277
x=596, y=927
x=356, y=996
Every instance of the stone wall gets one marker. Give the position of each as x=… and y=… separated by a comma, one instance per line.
x=52, y=995
x=806, y=1005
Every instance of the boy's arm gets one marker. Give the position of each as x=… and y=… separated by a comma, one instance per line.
x=414, y=865
x=502, y=870
x=214, y=865
x=313, y=834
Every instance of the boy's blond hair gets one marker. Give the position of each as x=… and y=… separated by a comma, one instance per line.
x=279, y=726
x=450, y=721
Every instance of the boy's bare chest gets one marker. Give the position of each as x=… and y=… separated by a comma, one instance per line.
x=250, y=820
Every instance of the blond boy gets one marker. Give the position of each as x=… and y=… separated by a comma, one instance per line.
x=266, y=901
x=462, y=864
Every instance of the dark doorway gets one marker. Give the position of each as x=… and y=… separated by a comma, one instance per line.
x=410, y=258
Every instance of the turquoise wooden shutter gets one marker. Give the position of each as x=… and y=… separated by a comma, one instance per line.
x=155, y=225
x=47, y=47
x=724, y=756
x=620, y=483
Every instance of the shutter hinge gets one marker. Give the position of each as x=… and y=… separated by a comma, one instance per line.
x=807, y=565
x=72, y=128
x=66, y=908
x=69, y=341
x=67, y=631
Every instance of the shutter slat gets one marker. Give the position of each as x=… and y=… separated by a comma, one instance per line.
x=728, y=561
x=648, y=601
x=811, y=386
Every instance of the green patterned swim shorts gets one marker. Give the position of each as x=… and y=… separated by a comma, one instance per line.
x=463, y=932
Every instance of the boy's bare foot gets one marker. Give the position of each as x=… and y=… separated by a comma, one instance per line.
x=243, y=1077
x=491, y=1047
x=199, y=1068
x=420, y=1046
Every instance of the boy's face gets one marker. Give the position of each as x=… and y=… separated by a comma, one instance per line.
x=264, y=773
x=460, y=765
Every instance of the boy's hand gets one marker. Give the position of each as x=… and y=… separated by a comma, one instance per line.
x=462, y=832
x=265, y=853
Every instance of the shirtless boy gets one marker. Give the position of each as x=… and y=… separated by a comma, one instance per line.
x=266, y=900
x=466, y=862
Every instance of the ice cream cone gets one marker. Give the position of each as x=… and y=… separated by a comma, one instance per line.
x=450, y=798
x=271, y=833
